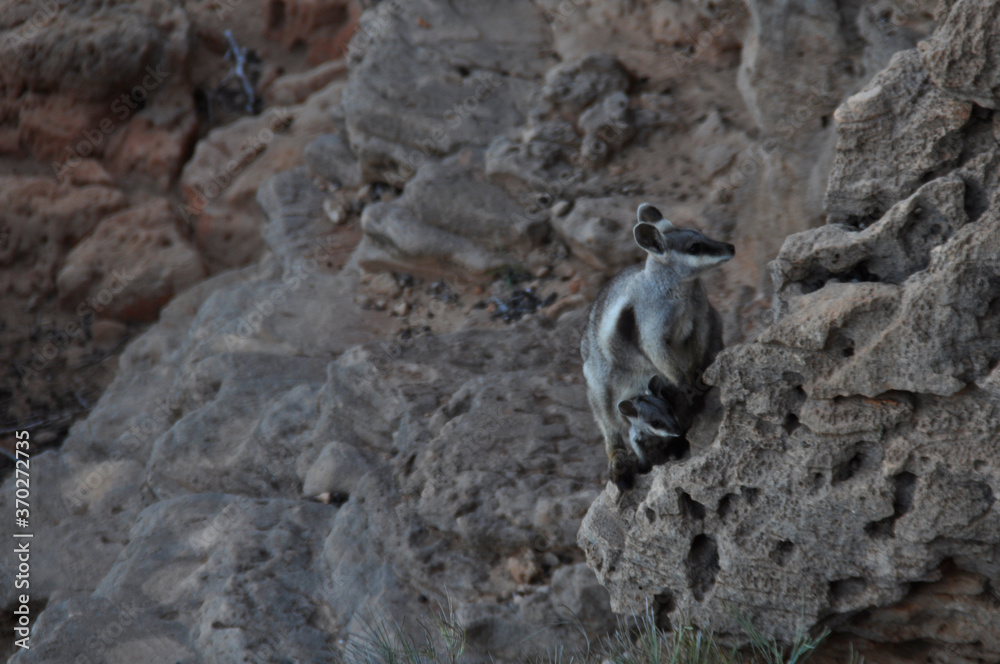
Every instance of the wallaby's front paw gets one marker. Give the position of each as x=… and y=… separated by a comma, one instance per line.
x=621, y=470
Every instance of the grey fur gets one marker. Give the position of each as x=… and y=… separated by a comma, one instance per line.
x=651, y=319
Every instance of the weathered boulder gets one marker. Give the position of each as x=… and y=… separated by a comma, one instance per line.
x=962, y=58
x=429, y=79
x=925, y=128
x=43, y=219
x=131, y=265
x=81, y=80
x=449, y=218
x=854, y=466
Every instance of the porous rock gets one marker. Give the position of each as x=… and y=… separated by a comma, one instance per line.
x=854, y=466
x=430, y=79
x=963, y=58
x=923, y=124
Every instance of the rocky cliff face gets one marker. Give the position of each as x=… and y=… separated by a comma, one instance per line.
x=854, y=473
x=366, y=422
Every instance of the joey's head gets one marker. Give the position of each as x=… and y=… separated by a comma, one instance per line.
x=652, y=413
x=654, y=432
x=684, y=250
x=653, y=429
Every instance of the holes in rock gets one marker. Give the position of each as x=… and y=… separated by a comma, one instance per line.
x=663, y=606
x=839, y=343
x=462, y=71
x=855, y=274
x=725, y=505
x=849, y=468
x=650, y=515
x=702, y=565
x=791, y=423
x=749, y=494
x=904, y=487
x=845, y=593
x=467, y=508
x=978, y=465
x=782, y=551
x=690, y=508
x=793, y=377
x=906, y=484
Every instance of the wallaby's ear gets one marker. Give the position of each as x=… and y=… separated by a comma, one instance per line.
x=627, y=408
x=649, y=238
x=656, y=385
x=649, y=214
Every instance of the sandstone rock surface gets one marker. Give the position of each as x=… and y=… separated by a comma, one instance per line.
x=132, y=264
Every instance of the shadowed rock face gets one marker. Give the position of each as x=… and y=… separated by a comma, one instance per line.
x=854, y=474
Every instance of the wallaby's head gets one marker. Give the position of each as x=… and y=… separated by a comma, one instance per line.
x=684, y=250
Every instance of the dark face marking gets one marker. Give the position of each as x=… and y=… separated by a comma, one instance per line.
x=686, y=241
x=627, y=328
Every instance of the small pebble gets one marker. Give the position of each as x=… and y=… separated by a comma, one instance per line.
x=385, y=284
x=401, y=309
x=541, y=271
x=559, y=208
x=335, y=210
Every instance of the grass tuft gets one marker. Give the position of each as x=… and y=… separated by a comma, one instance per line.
x=638, y=641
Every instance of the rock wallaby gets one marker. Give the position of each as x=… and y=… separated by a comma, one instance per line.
x=651, y=319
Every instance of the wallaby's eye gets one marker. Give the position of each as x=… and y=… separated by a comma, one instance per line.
x=697, y=249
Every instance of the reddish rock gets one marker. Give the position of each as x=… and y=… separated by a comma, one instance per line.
x=132, y=264
x=42, y=220
x=221, y=180
x=326, y=27
x=157, y=141
x=76, y=78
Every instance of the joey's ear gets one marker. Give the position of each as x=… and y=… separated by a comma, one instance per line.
x=665, y=389
x=627, y=408
x=649, y=238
